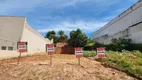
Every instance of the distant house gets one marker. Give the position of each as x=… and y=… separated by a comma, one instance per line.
x=16, y=29
x=126, y=25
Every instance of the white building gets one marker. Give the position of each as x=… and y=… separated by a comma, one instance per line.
x=126, y=25
x=16, y=29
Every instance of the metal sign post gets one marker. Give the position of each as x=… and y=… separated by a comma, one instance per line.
x=50, y=59
x=79, y=54
x=79, y=61
x=50, y=50
x=22, y=47
x=19, y=59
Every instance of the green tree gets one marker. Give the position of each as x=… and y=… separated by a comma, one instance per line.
x=61, y=32
x=90, y=44
x=51, y=35
x=119, y=44
x=62, y=37
x=78, y=39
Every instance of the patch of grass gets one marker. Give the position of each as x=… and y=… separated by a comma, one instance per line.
x=89, y=53
x=130, y=62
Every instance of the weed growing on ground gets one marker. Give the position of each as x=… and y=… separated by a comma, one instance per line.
x=130, y=62
x=89, y=53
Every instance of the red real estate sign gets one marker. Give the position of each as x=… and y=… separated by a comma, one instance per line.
x=101, y=52
x=22, y=47
x=78, y=52
x=50, y=48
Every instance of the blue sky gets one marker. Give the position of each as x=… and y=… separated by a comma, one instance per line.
x=67, y=15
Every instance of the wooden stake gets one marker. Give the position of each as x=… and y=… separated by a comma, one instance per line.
x=79, y=61
x=50, y=59
x=19, y=58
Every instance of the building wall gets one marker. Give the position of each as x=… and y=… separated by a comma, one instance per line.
x=136, y=33
x=121, y=23
x=13, y=54
x=36, y=43
x=10, y=31
x=14, y=29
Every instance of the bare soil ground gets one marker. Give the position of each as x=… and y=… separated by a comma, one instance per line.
x=65, y=67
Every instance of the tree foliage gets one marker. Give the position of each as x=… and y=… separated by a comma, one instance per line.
x=119, y=44
x=62, y=36
x=61, y=32
x=77, y=38
x=90, y=43
x=52, y=35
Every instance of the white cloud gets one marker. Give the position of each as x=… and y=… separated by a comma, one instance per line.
x=74, y=2
x=68, y=26
x=11, y=6
x=14, y=6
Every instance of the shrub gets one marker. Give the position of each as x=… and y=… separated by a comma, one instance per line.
x=116, y=44
x=134, y=47
x=89, y=53
x=130, y=62
x=119, y=44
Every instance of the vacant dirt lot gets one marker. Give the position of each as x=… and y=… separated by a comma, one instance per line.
x=64, y=67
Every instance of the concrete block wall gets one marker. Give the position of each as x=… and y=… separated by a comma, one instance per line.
x=128, y=18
